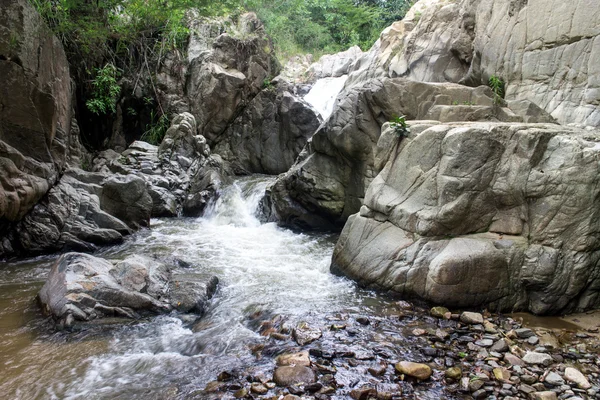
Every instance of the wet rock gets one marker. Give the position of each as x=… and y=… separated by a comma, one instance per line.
x=302, y=358
x=484, y=342
x=363, y=393
x=534, y=358
x=377, y=369
x=88, y=287
x=304, y=334
x=416, y=370
x=293, y=375
x=575, y=376
x=258, y=388
x=480, y=394
x=363, y=320
x=127, y=198
x=471, y=318
x=243, y=392
x=454, y=373
x=524, y=333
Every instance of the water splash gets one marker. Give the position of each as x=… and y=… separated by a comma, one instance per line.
x=323, y=94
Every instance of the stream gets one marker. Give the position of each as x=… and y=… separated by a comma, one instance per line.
x=263, y=270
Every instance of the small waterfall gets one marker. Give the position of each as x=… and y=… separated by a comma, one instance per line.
x=323, y=94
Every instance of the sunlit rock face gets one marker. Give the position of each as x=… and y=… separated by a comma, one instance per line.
x=547, y=52
x=482, y=214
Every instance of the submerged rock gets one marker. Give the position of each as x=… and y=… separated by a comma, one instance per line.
x=82, y=287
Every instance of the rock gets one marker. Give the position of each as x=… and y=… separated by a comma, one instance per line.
x=377, y=369
x=500, y=346
x=466, y=42
x=126, y=198
x=334, y=65
x=269, y=134
x=513, y=360
x=471, y=318
x=524, y=333
x=534, y=358
x=328, y=181
x=454, y=373
x=222, y=80
x=293, y=375
x=501, y=374
x=573, y=375
x=87, y=287
x=546, y=395
x=484, y=342
x=302, y=358
x=304, y=334
x=415, y=370
x=258, y=388
x=554, y=379
x=363, y=393
x=439, y=312
x=406, y=212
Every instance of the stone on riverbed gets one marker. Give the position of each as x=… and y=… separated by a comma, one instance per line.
x=573, y=375
x=83, y=287
x=416, y=370
x=293, y=375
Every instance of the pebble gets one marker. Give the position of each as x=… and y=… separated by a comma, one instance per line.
x=537, y=358
x=416, y=370
x=545, y=395
x=524, y=333
x=573, y=375
x=500, y=346
x=454, y=373
x=513, y=360
x=471, y=318
x=439, y=312
x=554, y=379
x=484, y=342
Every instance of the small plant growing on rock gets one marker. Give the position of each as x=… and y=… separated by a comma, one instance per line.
x=497, y=85
x=268, y=85
x=400, y=126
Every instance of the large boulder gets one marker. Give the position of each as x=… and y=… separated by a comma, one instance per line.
x=126, y=197
x=546, y=51
x=227, y=72
x=482, y=214
x=82, y=287
x=269, y=134
x=35, y=110
x=328, y=181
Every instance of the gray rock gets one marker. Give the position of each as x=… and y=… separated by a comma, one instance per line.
x=500, y=346
x=471, y=318
x=467, y=42
x=269, y=134
x=554, y=379
x=524, y=333
x=431, y=189
x=126, y=197
x=86, y=287
x=537, y=358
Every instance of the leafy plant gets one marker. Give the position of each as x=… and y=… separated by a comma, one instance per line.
x=497, y=85
x=400, y=126
x=462, y=354
x=156, y=129
x=268, y=85
x=105, y=92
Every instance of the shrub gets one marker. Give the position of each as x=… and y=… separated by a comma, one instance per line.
x=400, y=126
x=105, y=91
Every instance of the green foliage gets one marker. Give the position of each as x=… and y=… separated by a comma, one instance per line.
x=105, y=91
x=400, y=126
x=156, y=129
x=497, y=86
x=325, y=26
x=268, y=85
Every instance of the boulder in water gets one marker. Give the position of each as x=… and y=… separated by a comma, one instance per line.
x=82, y=287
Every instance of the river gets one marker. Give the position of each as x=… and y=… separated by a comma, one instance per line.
x=261, y=267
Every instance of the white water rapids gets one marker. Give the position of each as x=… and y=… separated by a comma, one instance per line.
x=323, y=94
x=261, y=267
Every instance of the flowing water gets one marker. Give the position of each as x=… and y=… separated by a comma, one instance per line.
x=323, y=94
x=261, y=267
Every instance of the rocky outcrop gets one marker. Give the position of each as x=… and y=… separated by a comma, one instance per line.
x=545, y=51
x=328, y=181
x=223, y=79
x=35, y=110
x=82, y=287
x=181, y=175
x=270, y=133
x=333, y=65
x=482, y=214
x=88, y=209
